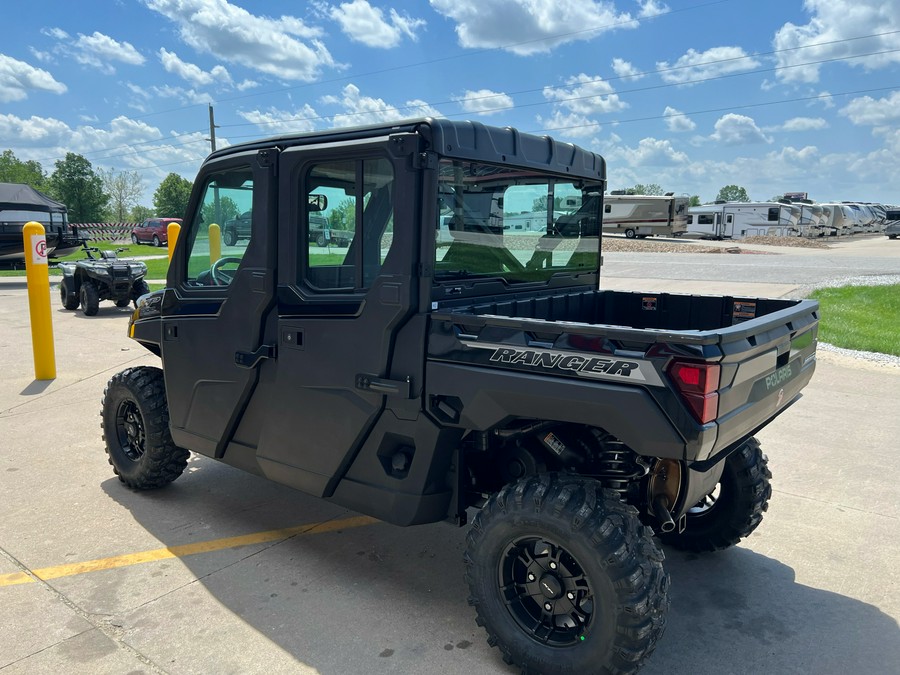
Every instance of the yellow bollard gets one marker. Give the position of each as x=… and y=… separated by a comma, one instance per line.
x=172, y=231
x=215, y=243
x=37, y=273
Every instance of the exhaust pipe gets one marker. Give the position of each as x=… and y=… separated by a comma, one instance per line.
x=661, y=511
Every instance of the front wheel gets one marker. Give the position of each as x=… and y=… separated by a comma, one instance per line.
x=156, y=241
x=136, y=432
x=565, y=579
x=733, y=509
x=630, y=233
x=90, y=298
x=139, y=288
x=134, y=239
x=230, y=237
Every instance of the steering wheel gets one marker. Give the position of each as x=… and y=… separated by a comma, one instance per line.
x=219, y=276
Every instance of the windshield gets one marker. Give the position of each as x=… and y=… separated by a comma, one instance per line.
x=515, y=224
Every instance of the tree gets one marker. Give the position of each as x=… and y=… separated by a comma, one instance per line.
x=124, y=189
x=732, y=193
x=139, y=214
x=343, y=216
x=540, y=204
x=77, y=185
x=695, y=200
x=172, y=196
x=14, y=170
x=649, y=189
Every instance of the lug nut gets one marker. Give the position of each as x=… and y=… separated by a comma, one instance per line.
x=548, y=606
x=531, y=577
x=552, y=565
x=570, y=595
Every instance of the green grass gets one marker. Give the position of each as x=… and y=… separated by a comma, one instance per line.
x=866, y=318
x=156, y=268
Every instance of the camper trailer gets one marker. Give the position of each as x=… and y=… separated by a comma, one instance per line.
x=841, y=221
x=635, y=216
x=736, y=220
x=645, y=215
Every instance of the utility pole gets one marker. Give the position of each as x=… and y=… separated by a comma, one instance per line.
x=212, y=129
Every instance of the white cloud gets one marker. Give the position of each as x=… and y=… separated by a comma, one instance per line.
x=732, y=129
x=626, y=70
x=828, y=35
x=274, y=121
x=362, y=22
x=585, y=95
x=714, y=62
x=191, y=72
x=485, y=102
x=652, y=8
x=180, y=95
x=527, y=27
x=677, y=121
x=99, y=51
x=55, y=33
x=285, y=47
x=359, y=109
x=18, y=78
x=244, y=85
x=867, y=111
x=654, y=152
x=804, y=124
x=569, y=125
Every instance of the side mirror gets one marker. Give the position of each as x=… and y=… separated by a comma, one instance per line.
x=318, y=202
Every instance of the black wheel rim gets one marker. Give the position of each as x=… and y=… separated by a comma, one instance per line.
x=130, y=430
x=546, y=591
x=707, y=504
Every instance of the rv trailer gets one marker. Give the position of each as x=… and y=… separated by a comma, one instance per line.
x=737, y=220
x=643, y=216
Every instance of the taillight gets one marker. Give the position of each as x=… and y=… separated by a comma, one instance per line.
x=698, y=384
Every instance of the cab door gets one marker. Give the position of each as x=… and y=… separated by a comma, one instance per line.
x=217, y=303
x=340, y=308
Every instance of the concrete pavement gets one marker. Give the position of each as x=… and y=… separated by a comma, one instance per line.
x=312, y=589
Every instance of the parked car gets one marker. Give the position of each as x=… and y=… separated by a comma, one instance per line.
x=236, y=229
x=153, y=231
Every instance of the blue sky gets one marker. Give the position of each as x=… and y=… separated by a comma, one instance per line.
x=772, y=95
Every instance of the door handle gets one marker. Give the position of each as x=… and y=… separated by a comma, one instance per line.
x=252, y=359
x=382, y=386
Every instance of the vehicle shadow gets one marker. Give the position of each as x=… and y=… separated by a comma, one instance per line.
x=390, y=599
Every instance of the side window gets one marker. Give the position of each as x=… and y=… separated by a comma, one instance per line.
x=607, y=208
x=773, y=213
x=348, y=221
x=704, y=219
x=219, y=231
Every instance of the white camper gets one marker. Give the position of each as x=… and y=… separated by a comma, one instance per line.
x=841, y=221
x=645, y=215
x=736, y=220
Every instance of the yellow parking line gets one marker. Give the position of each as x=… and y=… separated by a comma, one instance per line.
x=128, y=559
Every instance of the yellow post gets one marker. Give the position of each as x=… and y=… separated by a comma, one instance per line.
x=172, y=231
x=215, y=243
x=37, y=273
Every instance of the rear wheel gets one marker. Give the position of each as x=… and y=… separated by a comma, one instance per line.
x=90, y=298
x=564, y=578
x=124, y=301
x=136, y=432
x=733, y=510
x=320, y=240
x=67, y=296
x=230, y=237
x=630, y=233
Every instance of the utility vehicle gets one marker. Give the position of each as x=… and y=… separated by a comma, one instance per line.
x=419, y=380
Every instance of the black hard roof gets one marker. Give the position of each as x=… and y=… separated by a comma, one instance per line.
x=458, y=139
x=19, y=196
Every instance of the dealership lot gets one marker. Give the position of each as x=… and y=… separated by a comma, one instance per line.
x=225, y=572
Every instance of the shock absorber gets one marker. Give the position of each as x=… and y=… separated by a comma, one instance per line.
x=618, y=467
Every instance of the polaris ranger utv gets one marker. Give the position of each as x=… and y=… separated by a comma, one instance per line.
x=418, y=380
